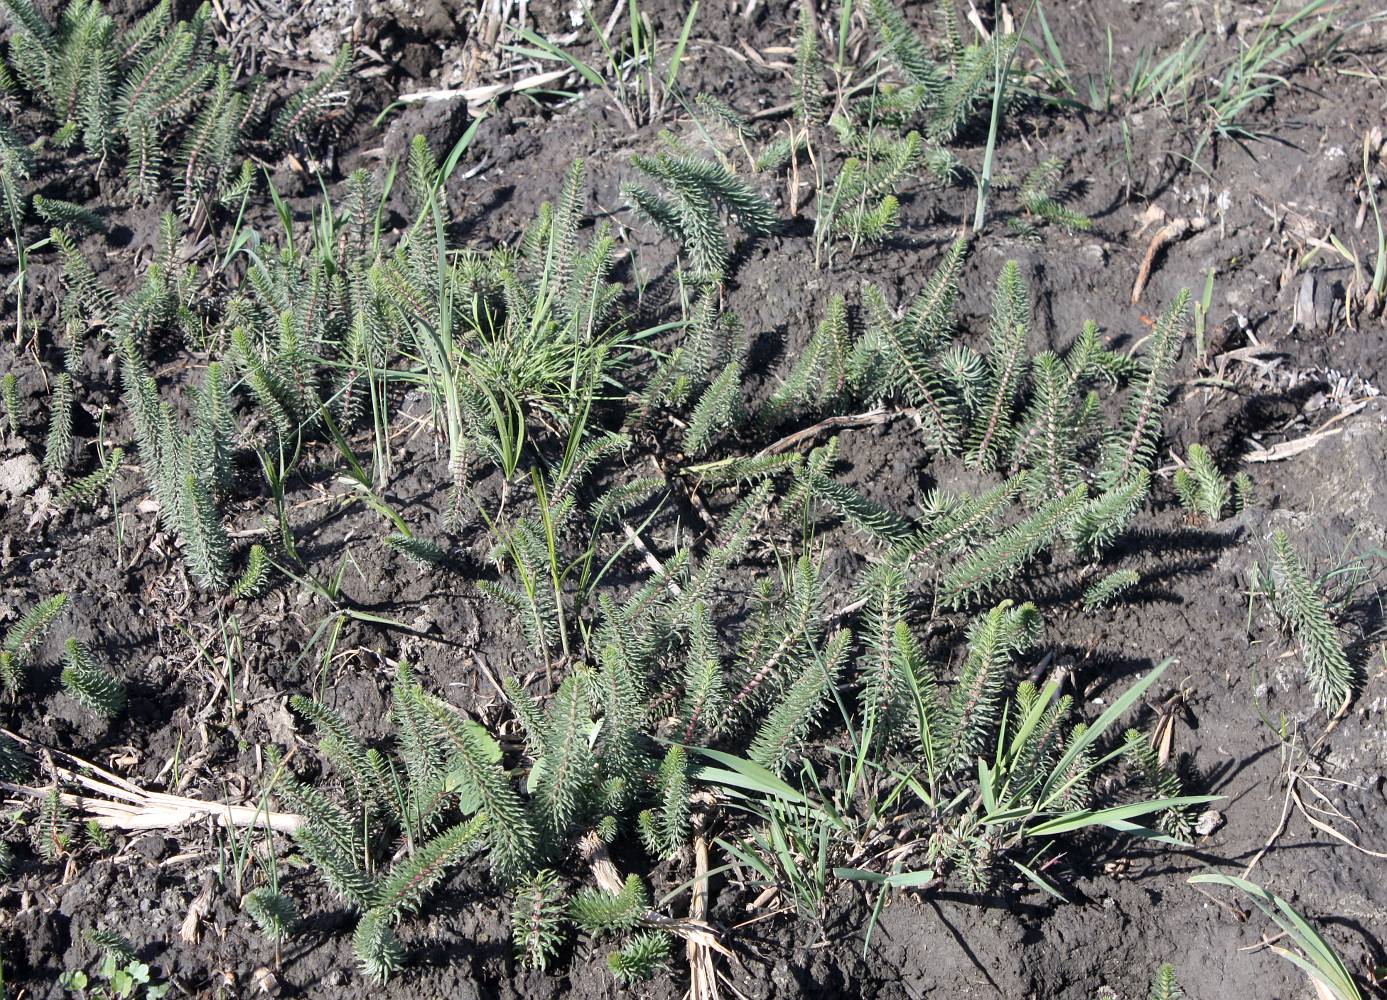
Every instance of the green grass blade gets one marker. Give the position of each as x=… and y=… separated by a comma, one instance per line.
x=1104, y=817
x=1104, y=723
x=587, y=72
x=1320, y=961
x=739, y=772
x=678, y=57
x=896, y=880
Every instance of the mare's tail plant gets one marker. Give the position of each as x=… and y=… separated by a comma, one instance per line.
x=158, y=95
x=699, y=192
x=1111, y=587
x=1043, y=203
x=24, y=637
x=1205, y=492
x=187, y=473
x=1164, y=985
x=91, y=685
x=1035, y=420
x=58, y=452
x=9, y=393
x=861, y=206
x=1298, y=599
x=948, y=97
x=1160, y=778
x=1132, y=446
x=441, y=797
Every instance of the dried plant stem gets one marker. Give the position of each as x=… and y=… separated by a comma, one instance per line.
x=117, y=804
x=609, y=879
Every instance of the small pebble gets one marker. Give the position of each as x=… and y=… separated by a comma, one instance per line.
x=1209, y=821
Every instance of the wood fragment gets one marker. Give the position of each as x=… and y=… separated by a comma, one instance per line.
x=1325, y=827
x=157, y=811
x=652, y=563
x=1286, y=449
x=703, y=979
x=869, y=419
x=478, y=97
x=1171, y=232
x=189, y=930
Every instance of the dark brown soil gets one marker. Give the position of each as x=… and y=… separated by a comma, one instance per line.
x=1130, y=907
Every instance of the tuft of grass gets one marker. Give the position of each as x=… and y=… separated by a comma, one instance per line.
x=1222, y=96
x=631, y=75
x=1310, y=953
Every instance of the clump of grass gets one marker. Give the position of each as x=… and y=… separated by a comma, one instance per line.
x=1218, y=95
x=1311, y=953
x=630, y=74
